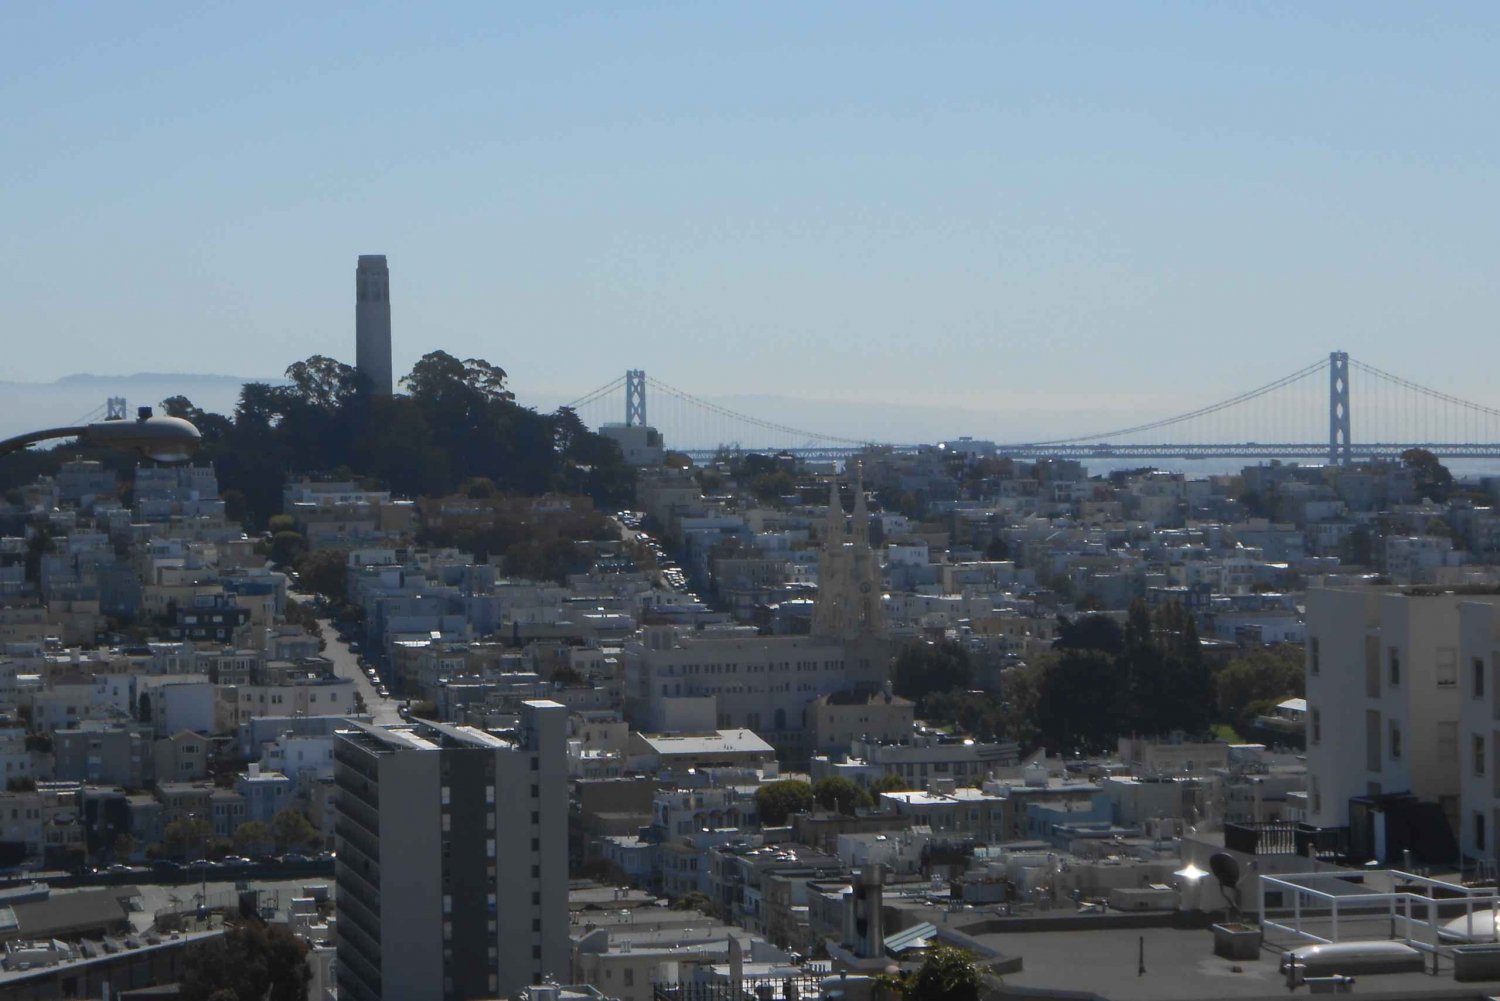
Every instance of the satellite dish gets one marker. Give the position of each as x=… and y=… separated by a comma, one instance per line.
x=1225, y=869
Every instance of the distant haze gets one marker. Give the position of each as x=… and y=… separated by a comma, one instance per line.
x=31, y=406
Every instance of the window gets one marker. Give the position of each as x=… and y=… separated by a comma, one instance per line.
x=629, y=975
x=1316, y=715
x=1313, y=660
x=1447, y=667
x=1479, y=832
x=1478, y=754
x=1395, y=741
x=1393, y=660
x=1478, y=677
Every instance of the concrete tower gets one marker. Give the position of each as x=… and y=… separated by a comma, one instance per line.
x=372, y=322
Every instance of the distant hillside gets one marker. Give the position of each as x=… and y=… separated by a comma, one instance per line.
x=29, y=406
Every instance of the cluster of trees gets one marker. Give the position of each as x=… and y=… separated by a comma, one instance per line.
x=940, y=678
x=1100, y=681
x=779, y=801
x=456, y=420
x=252, y=961
x=193, y=837
x=541, y=545
x=1252, y=685
x=1103, y=681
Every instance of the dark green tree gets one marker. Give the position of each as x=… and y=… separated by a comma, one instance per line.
x=1089, y=632
x=947, y=974
x=840, y=795
x=324, y=571
x=923, y=668
x=250, y=962
x=776, y=801
x=1079, y=701
x=1251, y=685
x=291, y=829
x=186, y=836
x=1433, y=480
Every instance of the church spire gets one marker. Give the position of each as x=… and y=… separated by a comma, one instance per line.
x=861, y=528
x=836, y=529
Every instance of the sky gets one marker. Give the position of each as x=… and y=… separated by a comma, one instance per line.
x=992, y=207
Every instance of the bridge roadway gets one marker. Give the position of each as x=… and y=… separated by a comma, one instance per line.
x=1107, y=451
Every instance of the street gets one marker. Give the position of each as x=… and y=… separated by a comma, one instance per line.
x=346, y=665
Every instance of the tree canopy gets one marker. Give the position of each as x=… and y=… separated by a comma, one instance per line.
x=1153, y=682
x=457, y=419
x=923, y=668
x=840, y=795
x=947, y=974
x=776, y=801
x=1252, y=685
x=250, y=962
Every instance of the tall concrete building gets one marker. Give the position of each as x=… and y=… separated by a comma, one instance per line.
x=372, y=322
x=1400, y=728
x=452, y=868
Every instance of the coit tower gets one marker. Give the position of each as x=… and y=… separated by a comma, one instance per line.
x=372, y=322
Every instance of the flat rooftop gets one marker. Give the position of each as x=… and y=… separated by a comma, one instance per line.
x=1180, y=965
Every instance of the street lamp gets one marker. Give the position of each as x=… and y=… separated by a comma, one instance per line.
x=165, y=439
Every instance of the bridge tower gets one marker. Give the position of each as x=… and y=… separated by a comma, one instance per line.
x=635, y=398
x=114, y=408
x=1338, y=408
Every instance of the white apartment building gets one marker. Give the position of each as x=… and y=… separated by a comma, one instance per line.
x=1479, y=729
x=326, y=696
x=1385, y=697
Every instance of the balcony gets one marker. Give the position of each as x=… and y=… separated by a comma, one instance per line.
x=1287, y=838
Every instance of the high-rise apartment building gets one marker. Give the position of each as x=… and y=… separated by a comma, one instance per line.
x=452, y=868
x=372, y=322
x=1398, y=742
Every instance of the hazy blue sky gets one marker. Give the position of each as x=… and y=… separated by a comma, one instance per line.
x=985, y=204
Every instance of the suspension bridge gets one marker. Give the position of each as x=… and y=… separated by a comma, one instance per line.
x=1306, y=414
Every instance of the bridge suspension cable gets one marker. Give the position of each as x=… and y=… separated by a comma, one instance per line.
x=735, y=415
x=604, y=390
x=1316, y=367
x=1425, y=391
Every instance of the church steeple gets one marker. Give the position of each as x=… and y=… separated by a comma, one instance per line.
x=861, y=527
x=850, y=600
x=836, y=529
